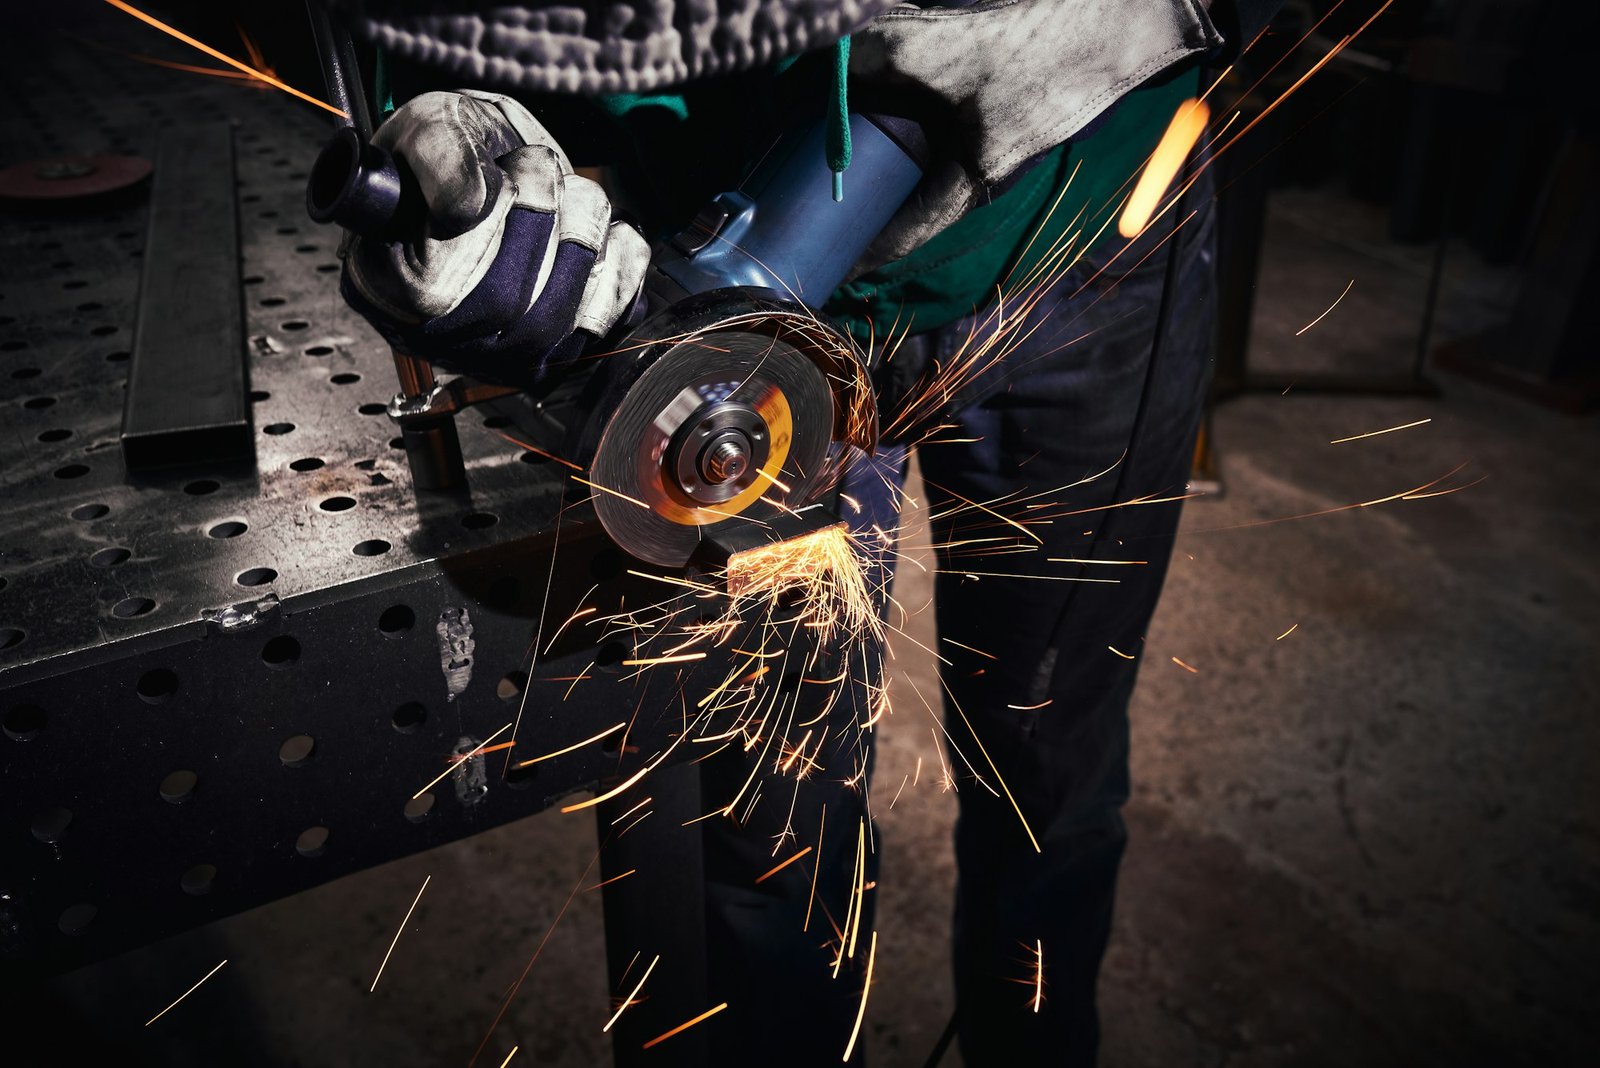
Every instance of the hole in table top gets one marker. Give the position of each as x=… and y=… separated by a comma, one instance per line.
x=281, y=651
x=396, y=620
x=228, y=528
x=337, y=504
x=110, y=557
x=157, y=685
x=256, y=576
x=133, y=607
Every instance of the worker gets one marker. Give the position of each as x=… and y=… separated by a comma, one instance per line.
x=1039, y=113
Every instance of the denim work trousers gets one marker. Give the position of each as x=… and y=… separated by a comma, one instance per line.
x=1095, y=411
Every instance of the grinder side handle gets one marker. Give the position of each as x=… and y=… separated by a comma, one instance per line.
x=783, y=230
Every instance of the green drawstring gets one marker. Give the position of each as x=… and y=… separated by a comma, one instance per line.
x=838, y=132
x=380, y=85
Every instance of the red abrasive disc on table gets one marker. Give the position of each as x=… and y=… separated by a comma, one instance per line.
x=64, y=178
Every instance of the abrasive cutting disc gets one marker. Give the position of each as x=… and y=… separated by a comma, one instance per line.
x=743, y=387
x=66, y=178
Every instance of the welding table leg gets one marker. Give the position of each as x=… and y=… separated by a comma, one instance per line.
x=433, y=448
x=659, y=909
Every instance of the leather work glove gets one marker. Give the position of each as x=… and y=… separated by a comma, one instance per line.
x=517, y=264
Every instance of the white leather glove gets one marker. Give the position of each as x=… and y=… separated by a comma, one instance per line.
x=517, y=263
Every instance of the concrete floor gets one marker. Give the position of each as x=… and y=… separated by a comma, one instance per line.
x=1375, y=840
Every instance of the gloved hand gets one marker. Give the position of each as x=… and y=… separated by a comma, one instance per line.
x=517, y=264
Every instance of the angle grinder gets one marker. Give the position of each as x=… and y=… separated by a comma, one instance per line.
x=726, y=395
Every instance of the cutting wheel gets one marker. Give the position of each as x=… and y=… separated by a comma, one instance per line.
x=714, y=425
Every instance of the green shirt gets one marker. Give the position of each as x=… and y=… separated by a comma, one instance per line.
x=1077, y=189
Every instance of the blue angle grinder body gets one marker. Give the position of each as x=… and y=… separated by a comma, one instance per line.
x=726, y=395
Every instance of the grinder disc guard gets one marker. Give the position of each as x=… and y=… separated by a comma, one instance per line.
x=721, y=420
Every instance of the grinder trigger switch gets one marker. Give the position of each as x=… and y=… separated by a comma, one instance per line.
x=703, y=228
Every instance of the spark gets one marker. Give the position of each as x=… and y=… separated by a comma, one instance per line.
x=1186, y=667
x=1187, y=124
x=609, y=794
x=513, y=1053
x=903, y=780
x=185, y=994
x=517, y=983
x=1120, y=653
x=1038, y=975
x=1375, y=433
x=1033, y=708
x=970, y=649
x=575, y=745
x=822, y=571
x=627, y=1001
x=1046, y=578
x=1286, y=633
x=457, y=758
x=1415, y=493
x=1324, y=315
x=438, y=778
x=685, y=1025
x=608, y=882
x=815, y=868
x=674, y=580
x=631, y=811
x=171, y=31
x=861, y=1012
x=396, y=940
x=535, y=449
x=782, y=866
x=614, y=493
x=681, y=658
x=1015, y=807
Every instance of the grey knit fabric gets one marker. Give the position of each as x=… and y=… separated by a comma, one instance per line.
x=603, y=46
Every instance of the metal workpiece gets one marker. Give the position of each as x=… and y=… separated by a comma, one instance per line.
x=225, y=684
x=187, y=400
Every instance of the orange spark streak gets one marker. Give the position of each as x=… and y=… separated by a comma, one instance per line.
x=1286, y=633
x=608, y=882
x=517, y=984
x=436, y=779
x=1375, y=433
x=1324, y=315
x=861, y=1012
x=1038, y=976
x=519, y=443
x=1046, y=578
x=970, y=649
x=604, y=489
x=821, y=825
x=982, y=749
x=185, y=994
x=685, y=1025
x=513, y=1053
x=903, y=780
x=455, y=759
x=782, y=866
x=398, y=932
x=171, y=31
x=609, y=794
x=1186, y=667
x=675, y=581
x=681, y=658
x=1033, y=708
x=1120, y=653
x=631, y=811
x=1415, y=493
x=191, y=68
x=629, y=999
x=1187, y=124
